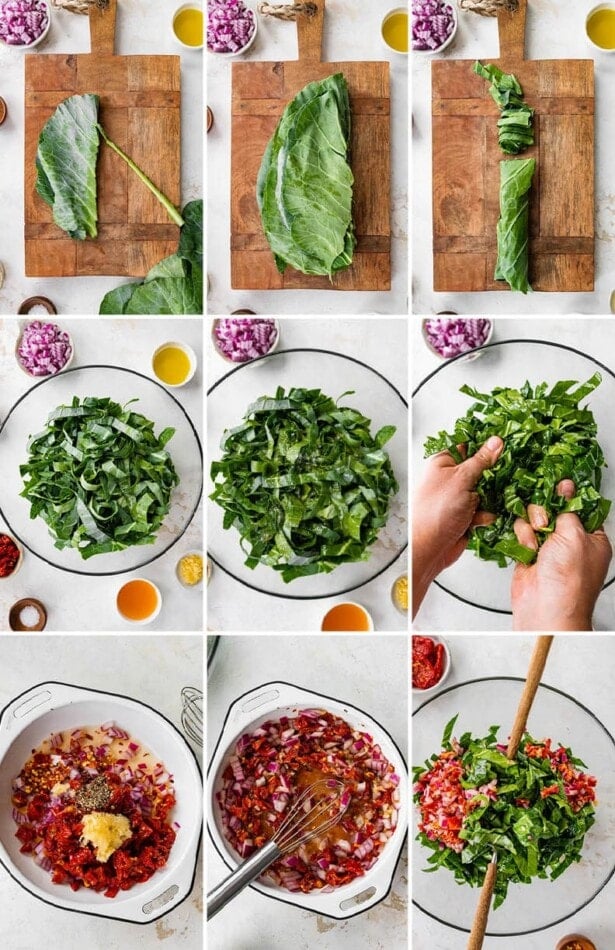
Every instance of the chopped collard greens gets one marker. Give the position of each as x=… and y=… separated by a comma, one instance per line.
x=533, y=810
x=99, y=476
x=304, y=482
x=547, y=437
x=515, y=123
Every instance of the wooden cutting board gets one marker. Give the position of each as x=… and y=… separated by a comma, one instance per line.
x=140, y=111
x=466, y=174
x=261, y=91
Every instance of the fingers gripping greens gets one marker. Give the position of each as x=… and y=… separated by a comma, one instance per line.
x=547, y=437
x=304, y=185
x=99, y=476
x=304, y=482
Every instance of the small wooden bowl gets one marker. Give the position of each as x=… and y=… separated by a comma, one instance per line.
x=210, y=119
x=585, y=942
x=16, y=624
x=2, y=110
x=31, y=302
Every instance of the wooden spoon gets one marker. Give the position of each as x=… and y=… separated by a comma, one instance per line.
x=532, y=682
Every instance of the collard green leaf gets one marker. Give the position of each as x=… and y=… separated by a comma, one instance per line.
x=304, y=184
x=175, y=284
x=99, y=477
x=513, y=224
x=66, y=165
x=304, y=483
x=547, y=437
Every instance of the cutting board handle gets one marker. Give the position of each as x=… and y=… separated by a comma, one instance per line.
x=102, y=28
x=309, y=34
x=511, y=28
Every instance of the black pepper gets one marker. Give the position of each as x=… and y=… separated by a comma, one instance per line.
x=94, y=796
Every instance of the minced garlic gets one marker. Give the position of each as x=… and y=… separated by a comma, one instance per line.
x=400, y=592
x=106, y=832
x=191, y=569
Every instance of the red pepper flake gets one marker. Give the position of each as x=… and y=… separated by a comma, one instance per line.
x=428, y=658
x=9, y=555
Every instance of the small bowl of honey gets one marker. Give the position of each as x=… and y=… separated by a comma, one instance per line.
x=139, y=601
x=347, y=617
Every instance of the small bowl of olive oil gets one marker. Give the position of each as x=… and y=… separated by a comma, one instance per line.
x=174, y=364
x=600, y=27
x=188, y=25
x=394, y=30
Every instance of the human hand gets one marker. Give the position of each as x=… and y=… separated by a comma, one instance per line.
x=445, y=507
x=559, y=591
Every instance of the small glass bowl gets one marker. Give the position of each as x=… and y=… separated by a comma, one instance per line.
x=185, y=348
x=187, y=6
x=155, y=612
x=184, y=584
x=447, y=42
x=445, y=672
x=397, y=606
x=349, y=603
x=39, y=39
x=598, y=9
x=244, y=49
x=227, y=359
x=47, y=375
x=465, y=357
x=19, y=559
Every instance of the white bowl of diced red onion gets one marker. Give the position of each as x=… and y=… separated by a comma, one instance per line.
x=241, y=339
x=452, y=336
x=278, y=706
x=231, y=27
x=24, y=23
x=434, y=25
x=44, y=349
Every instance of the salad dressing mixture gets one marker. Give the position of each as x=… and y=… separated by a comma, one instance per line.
x=137, y=600
x=92, y=806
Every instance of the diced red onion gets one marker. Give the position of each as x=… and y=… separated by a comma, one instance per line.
x=44, y=348
x=432, y=24
x=230, y=26
x=22, y=22
x=243, y=339
x=451, y=336
x=18, y=817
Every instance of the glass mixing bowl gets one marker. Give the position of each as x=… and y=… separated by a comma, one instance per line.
x=437, y=404
x=29, y=415
x=554, y=714
x=334, y=374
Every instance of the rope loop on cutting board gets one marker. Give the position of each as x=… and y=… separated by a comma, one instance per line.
x=287, y=11
x=79, y=6
x=489, y=7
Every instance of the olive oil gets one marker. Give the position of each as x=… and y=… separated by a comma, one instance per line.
x=188, y=26
x=395, y=32
x=601, y=28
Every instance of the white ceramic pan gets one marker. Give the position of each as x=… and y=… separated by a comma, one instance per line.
x=53, y=707
x=271, y=701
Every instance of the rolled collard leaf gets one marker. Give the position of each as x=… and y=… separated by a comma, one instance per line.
x=304, y=185
x=513, y=225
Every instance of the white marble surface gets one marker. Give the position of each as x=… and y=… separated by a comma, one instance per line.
x=351, y=32
x=369, y=673
x=143, y=27
x=554, y=30
x=230, y=606
x=88, y=603
x=579, y=666
x=150, y=669
x=593, y=336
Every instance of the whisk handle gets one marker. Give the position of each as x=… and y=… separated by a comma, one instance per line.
x=241, y=877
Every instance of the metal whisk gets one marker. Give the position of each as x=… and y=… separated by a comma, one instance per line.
x=305, y=820
x=192, y=713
